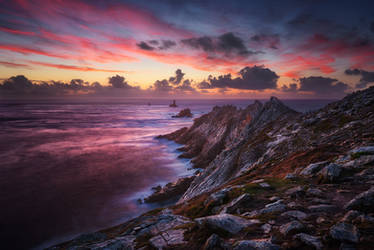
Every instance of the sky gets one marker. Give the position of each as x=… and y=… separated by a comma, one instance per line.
x=185, y=49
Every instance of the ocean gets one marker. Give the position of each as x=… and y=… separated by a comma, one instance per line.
x=73, y=168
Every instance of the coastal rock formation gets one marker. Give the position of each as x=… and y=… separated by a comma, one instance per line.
x=183, y=113
x=243, y=200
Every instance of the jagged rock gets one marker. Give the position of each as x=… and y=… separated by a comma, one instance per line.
x=171, y=190
x=363, y=202
x=255, y=245
x=295, y=214
x=168, y=238
x=320, y=220
x=290, y=176
x=331, y=172
x=257, y=181
x=296, y=192
x=227, y=222
x=359, y=162
x=237, y=204
x=322, y=208
x=213, y=242
x=313, y=168
x=309, y=240
x=291, y=228
x=183, y=113
x=125, y=242
x=367, y=149
x=160, y=223
x=344, y=232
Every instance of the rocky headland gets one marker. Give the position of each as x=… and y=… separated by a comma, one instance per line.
x=271, y=178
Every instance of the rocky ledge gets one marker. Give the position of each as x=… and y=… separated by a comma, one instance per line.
x=273, y=179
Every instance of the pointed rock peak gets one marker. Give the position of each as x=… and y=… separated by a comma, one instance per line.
x=275, y=99
x=257, y=102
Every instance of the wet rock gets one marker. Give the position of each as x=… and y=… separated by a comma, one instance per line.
x=172, y=190
x=313, y=168
x=183, y=113
x=213, y=242
x=291, y=228
x=227, y=222
x=331, y=172
x=360, y=162
x=255, y=245
x=168, y=238
x=344, y=232
x=363, y=202
x=295, y=214
x=237, y=204
x=322, y=208
x=274, y=198
x=309, y=240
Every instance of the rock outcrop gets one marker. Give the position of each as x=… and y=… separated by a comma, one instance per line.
x=272, y=178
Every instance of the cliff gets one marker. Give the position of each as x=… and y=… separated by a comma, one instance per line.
x=272, y=178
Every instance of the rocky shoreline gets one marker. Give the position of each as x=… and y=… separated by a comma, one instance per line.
x=273, y=178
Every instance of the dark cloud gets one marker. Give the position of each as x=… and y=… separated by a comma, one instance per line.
x=372, y=26
x=366, y=77
x=291, y=88
x=186, y=86
x=322, y=85
x=174, y=83
x=145, y=46
x=269, y=41
x=251, y=78
x=177, y=78
x=162, y=86
x=167, y=44
x=21, y=87
x=160, y=45
x=119, y=82
x=228, y=44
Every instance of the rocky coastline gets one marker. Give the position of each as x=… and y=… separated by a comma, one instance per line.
x=272, y=178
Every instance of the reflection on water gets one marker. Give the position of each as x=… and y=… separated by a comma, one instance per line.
x=68, y=169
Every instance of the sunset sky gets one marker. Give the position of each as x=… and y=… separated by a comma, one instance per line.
x=202, y=49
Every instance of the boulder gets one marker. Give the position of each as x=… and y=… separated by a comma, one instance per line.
x=344, y=232
x=266, y=228
x=322, y=208
x=291, y=228
x=213, y=242
x=363, y=202
x=315, y=192
x=296, y=192
x=331, y=172
x=226, y=222
x=255, y=245
x=237, y=204
x=313, y=168
x=295, y=214
x=125, y=242
x=309, y=240
x=168, y=238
